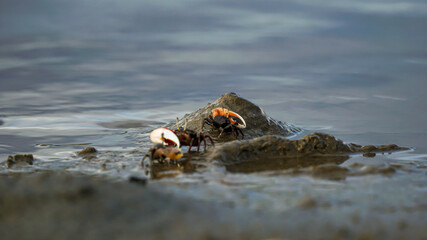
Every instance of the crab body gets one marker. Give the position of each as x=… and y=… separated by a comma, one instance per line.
x=163, y=153
x=188, y=137
x=221, y=119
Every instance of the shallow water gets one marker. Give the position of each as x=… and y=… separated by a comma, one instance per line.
x=94, y=73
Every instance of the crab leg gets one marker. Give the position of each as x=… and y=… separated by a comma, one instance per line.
x=191, y=144
x=204, y=140
x=209, y=137
x=240, y=130
x=198, y=142
x=177, y=123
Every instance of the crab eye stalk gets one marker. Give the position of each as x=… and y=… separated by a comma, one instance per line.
x=177, y=123
x=185, y=125
x=163, y=138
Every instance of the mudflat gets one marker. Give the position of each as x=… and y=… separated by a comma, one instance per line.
x=63, y=206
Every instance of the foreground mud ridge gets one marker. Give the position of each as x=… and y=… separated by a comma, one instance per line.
x=61, y=206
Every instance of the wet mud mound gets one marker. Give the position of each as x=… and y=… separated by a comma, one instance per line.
x=265, y=148
x=272, y=152
x=258, y=122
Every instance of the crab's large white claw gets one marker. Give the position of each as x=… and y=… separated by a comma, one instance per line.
x=160, y=135
x=234, y=114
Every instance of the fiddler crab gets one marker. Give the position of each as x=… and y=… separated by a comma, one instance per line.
x=166, y=148
x=222, y=119
x=188, y=137
x=168, y=142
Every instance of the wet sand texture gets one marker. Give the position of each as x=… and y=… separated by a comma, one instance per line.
x=61, y=206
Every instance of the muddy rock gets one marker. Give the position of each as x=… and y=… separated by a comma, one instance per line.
x=369, y=154
x=257, y=121
x=368, y=148
x=89, y=153
x=273, y=148
x=20, y=159
x=88, y=150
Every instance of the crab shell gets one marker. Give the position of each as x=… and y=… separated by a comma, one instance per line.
x=171, y=152
x=164, y=135
x=227, y=113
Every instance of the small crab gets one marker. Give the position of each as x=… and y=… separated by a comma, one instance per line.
x=162, y=153
x=188, y=137
x=221, y=118
x=167, y=147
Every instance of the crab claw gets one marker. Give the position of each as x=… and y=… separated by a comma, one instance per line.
x=164, y=135
x=227, y=113
x=231, y=113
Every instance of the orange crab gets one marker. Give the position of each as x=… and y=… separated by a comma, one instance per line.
x=222, y=119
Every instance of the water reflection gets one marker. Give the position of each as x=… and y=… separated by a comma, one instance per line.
x=281, y=163
x=191, y=162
